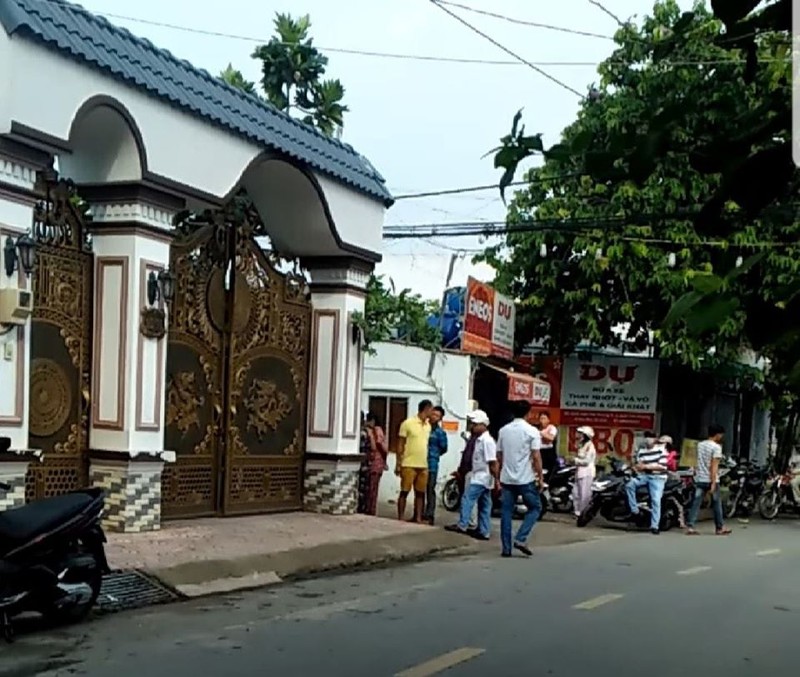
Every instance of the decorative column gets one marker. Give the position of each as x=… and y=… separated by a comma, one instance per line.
x=131, y=242
x=333, y=459
x=18, y=165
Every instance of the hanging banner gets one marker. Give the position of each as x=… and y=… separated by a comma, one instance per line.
x=533, y=390
x=609, y=391
x=489, y=320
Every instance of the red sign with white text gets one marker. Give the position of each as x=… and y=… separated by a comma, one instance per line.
x=613, y=419
x=617, y=441
x=489, y=320
x=535, y=391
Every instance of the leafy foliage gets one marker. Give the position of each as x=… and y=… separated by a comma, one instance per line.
x=235, y=78
x=292, y=76
x=678, y=192
x=391, y=316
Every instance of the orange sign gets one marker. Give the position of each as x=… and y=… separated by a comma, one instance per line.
x=489, y=319
x=449, y=426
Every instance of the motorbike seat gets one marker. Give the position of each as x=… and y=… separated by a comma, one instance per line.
x=19, y=525
x=672, y=484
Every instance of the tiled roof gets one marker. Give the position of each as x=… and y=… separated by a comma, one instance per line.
x=91, y=39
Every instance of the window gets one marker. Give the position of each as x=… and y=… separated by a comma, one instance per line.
x=391, y=412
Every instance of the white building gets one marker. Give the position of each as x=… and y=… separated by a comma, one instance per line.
x=396, y=379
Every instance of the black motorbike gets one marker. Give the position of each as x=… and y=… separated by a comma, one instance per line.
x=560, y=487
x=454, y=489
x=52, y=558
x=610, y=500
x=745, y=485
x=778, y=497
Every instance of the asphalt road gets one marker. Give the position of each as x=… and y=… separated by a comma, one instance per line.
x=628, y=604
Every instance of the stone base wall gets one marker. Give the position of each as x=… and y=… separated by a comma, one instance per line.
x=13, y=474
x=16, y=496
x=133, y=494
x=331, y=487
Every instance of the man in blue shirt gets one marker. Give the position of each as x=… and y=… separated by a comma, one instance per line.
x=437, y=447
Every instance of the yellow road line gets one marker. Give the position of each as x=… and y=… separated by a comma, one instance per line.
x=692, y=571
x=442, y=663
x=595, y=602
x=767, y=553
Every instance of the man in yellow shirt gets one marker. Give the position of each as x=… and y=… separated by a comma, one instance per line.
x=412, y=460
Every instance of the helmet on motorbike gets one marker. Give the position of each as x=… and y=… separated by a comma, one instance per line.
x=586, y=430
x=665, y=439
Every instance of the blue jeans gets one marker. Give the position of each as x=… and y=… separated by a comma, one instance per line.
x=716, y=504
x=483, y=496
x=530, y=496
x=655, y=485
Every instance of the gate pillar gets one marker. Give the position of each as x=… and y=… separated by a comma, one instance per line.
x=333, y=458
x=131, y=239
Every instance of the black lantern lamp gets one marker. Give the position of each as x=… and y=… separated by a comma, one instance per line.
x=161, y=285
x=23, y=251
x=166, y=284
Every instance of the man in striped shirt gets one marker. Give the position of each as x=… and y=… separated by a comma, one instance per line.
x=651, y=464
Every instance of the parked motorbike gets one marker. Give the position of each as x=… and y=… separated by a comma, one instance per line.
x=777, y=497
x=52, y=558
x=454, y=489
x=610, y=500
x=745, y=485
x=560, y=487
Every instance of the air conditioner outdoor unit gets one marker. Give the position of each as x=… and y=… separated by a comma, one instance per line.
x=16, y=305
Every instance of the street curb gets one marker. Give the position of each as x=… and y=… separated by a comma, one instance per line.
x=197, y=579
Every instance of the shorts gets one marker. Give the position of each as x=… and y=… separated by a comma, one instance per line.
x=416, y=478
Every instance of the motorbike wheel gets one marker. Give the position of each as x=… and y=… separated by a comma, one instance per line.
x=731, y=507
x=769, y=505
x=450, y=495
x=587, y=515
x=670, y=516
x=74, y=614
x=545, y=504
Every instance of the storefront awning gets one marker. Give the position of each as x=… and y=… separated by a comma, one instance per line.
x=524, y=386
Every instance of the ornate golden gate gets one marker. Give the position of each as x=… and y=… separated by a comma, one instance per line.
x=61, y=328
x=236, y=372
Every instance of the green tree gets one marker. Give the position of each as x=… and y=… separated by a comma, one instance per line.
x=682, y=154
x=403, y=316
x=292, y=76
x=235, y=78
x=292, y=71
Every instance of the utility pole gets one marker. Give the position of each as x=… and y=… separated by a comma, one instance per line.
x=453, y=258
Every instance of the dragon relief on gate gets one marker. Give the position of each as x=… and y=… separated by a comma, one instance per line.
x=183, y=401
x=266, y=406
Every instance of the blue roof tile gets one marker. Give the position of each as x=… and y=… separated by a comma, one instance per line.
x=88, y=38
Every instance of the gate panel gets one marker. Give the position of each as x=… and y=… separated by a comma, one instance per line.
x=61, y=327
x=267, y=385
x=194, y=397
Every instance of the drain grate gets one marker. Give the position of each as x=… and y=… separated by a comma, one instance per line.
x=132, y=590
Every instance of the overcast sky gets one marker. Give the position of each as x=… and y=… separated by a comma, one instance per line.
x=424, y=124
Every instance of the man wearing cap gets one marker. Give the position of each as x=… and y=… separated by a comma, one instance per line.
x=651, y=464
x=485, y=471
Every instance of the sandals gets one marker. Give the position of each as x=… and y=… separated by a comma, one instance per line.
x=723, y=532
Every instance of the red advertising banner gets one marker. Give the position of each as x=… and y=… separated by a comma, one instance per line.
x=533, y=390
x=489, y=321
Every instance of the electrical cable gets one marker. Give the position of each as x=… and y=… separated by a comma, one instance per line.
x=523, y=22
x=414, y=57
x=508, y=51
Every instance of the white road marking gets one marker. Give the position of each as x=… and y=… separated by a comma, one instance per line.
x=442, y=663
x=595, y=602
x=692, y=571
x=767, y=553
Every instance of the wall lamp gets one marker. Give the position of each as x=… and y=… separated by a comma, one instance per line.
x=160, y=285
x=22, y=252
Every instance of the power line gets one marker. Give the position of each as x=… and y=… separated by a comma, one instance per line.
x=508, y=51
x=607, y=12
x=490, y=186
x=523, y=22
x=428, y=58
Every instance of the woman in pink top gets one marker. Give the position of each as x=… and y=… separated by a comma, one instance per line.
x=376, y=461
x=586, y=469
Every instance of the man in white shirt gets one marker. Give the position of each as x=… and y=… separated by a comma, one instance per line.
x=518, y=446
x=485, y=472
x=709, y=454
